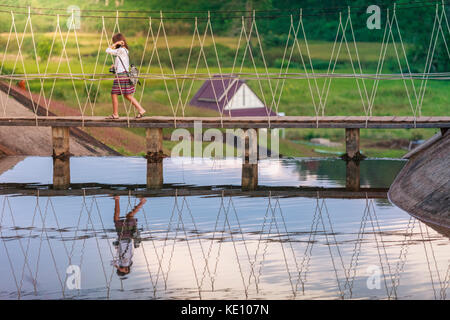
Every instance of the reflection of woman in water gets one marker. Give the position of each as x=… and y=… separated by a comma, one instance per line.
x=127, y=232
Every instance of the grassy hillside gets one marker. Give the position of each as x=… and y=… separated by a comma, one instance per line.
x=295, y=99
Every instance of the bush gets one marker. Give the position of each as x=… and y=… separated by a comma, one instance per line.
x=274, y=40
x=44, y=48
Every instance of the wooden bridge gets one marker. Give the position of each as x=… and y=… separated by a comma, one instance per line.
x=221, y=76
x=154, y=138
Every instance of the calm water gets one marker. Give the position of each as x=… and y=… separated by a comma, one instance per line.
x=220, y=245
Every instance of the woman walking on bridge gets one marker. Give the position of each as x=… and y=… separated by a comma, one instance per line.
x=122, y=84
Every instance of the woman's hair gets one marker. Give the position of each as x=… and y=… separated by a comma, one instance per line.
x=122, y=274
x=120, y=37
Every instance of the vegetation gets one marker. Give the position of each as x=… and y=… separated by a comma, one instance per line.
x=44, y=48
x=295, y=99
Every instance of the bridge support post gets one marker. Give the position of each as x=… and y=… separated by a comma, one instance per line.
x=250, y=164
x=249, y=176
x=250, y=145
x=154, y=174
x=60, y=141
x=61, y=157
x=352, y=143
x=352, y=175
x=155, y=156
x=352, y=158
x=61, y=173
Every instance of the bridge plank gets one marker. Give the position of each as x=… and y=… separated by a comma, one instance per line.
x=403, y=119
x=226, y=122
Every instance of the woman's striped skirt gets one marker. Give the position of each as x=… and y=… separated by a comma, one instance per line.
x=122, y=85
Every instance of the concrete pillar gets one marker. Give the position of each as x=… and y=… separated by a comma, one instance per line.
x=60, y=140
x=250, y=145
x=61, y=157
x=61, y=173
x=352, y=158
x=249, y=176
x=351, y=142
x=250, y=164
x=352, y=175
x=154, y=139
x=154, y=174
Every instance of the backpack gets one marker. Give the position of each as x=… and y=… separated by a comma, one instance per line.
x=133, y=73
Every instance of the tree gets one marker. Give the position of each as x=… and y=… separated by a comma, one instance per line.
x=421, y=40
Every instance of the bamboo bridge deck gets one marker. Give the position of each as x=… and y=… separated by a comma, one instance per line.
x=378, y=122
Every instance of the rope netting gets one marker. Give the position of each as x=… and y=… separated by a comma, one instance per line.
x=39, y=250
x=66, y=62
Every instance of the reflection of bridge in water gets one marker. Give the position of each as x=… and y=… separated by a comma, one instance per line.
x=169, y=190
x=304, y=252
x=155, y=175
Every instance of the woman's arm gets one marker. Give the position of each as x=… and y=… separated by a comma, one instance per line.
x=112, y=48
x=116, y=208
x=136, y=208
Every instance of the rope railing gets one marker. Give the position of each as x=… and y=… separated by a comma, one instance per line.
x=315, y=11
x=250, y=62
x=94, y=77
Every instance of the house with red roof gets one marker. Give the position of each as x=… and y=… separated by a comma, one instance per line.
x=231, y=96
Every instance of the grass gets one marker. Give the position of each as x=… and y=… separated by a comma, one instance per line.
x=304, y=148
x=123, y=151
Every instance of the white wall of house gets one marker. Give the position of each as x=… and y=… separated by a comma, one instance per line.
x=244, y=98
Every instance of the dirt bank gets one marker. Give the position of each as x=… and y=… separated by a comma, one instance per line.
x=37, y=140
x=121, y=139
x=7, y=163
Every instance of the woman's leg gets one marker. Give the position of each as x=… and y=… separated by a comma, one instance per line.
x=115, y=103
x=134, y=102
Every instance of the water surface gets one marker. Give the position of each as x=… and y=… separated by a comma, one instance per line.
x=220, y=245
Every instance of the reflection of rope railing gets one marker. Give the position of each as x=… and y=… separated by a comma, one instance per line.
x=402, y=256
x=272, y=238
x=178, y=85
x=377, y=230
